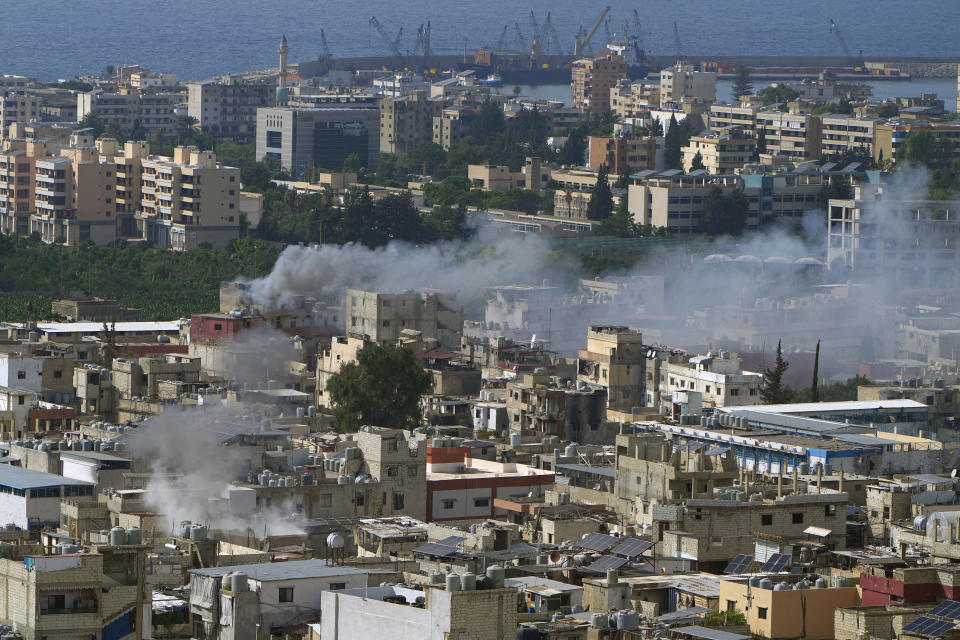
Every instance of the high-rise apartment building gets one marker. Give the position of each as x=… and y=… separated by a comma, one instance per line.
x=407, y=121
x=228, y=108
x=593, y=78
x=188, y=199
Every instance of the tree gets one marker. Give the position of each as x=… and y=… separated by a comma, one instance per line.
x=382, y=388
x=92, y=121
x=672, y=145
x=923, y=147
x=697, y=163
x=620, y=224
x=778, y=93
x=815, y=384
x=838, y=189
x=352, y=163
x=761, y=142
x=656, y=127
x=724, y=214
x=742, y=86
x=601, y=199
x=772, y=389
x=888, y=110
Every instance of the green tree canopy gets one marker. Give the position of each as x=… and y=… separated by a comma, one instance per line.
x=697, y=163
x=778, y=93
x=724, y=214
x=382, y=388
x=601, y=199
x=772, y=389
x=742, y=86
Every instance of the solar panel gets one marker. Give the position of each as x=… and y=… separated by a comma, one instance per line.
x=452, y=541
x=949, y=609
x=916, y=625
x=597, y=542
x=739, y=564
x=775, y=563
x=696, y=446
x=605, y=563
x=929, y=627
x=631, y=547
x=436, y=549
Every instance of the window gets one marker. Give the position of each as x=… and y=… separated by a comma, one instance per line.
x=448, y=504
x=412, y=470
x=830, y=510
x=734, y=392
x=326, y=500
x=58, y=373
x=338, y=586
x=21, y=375
x=481, y=502
x=20, y=400
x=762, y=613
x=218, y=327
x=358, y=500
x=397, y=500
x=798, y=518
x=766, y=519
x=274, y=139
x=286, y=594
x=731, y=605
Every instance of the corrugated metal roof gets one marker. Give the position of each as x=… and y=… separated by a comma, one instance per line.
x=697, y=631
x=20, y=478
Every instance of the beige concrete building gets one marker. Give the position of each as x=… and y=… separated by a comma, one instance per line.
x=593, y=78
x=342, y=350
x=622, y=155
x=677, y=203
x=632, y=99
x=383, y=317
x=614, y=359
x=681, y=84
x=729, y=115
x=407, y=121
x=74, y=596
x=17, y=184
x=228, y=107
x=532, y=175
x=723, y=151
x=779, y=614
x=155, y=112
x=18, y=106
x=188, y=199
x=795, y=135
x=889, y=135
x=717, y=381
x=74, y=198
x=841, y=133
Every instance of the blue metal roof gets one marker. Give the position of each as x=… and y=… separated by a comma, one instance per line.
x=19, y=478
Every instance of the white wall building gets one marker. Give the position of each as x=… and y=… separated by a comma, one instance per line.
x=33, y=496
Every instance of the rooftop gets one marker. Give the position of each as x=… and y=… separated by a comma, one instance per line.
x=20, y=478
x=295, y=570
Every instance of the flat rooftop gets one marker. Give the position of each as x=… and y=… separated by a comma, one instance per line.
x=270, y=571
x=97, y=327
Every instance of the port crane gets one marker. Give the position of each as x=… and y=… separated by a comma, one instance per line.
x=579, y=45
x=502, y=41
x=422, y=47
x=383, y=34
x=638, y=35
x=550, y=35
x=324, y=46
x=853, y=61
x=536, y=27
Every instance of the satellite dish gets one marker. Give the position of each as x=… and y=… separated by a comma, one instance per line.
x=953, y=474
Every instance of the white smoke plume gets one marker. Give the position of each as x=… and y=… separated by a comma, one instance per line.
x=193, y=470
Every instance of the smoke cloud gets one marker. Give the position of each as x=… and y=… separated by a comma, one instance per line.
x=194, y=471
x=740, y=293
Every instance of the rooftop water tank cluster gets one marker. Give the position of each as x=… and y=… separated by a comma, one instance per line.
x=120, y=536
x=191, y=531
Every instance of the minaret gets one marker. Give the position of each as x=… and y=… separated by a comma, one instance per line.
x=283, y=51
